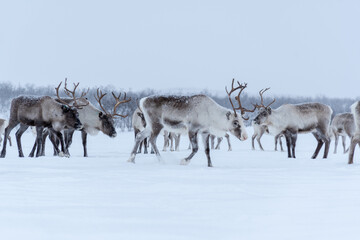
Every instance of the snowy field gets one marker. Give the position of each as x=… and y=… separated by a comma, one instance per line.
x=247, y=195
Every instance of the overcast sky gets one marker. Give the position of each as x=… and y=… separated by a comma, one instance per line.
x=302, y=48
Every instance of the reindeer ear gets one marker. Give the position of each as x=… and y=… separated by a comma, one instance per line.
x=140, y=115
x=269, y=110
x=228, y=115
x=101, y=114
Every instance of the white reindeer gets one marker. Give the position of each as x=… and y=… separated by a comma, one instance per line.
x=259, y=131
x=197, y=114
x=355, y=110
x=138, y=123
x=3, y=125
x=219, y=140
x=291, y=119
x=343, y=125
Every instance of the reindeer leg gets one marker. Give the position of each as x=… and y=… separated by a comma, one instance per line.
x=293, y=143
x=39, y=138
x=177, y=142
x=194, y=145
x=344, y=143
x=68, y=138
x=212, y=138
x=45, y=134
x=12, y=123
x=84, y=142
x=205, y=138
x=353, y=143
x=31, y=154
x=288, y=142
x=55, y=141
x=281, y=146
x=320, y=144
x=253, y=141
x=10, y=141
x=218, y=143
x=59, y=135
x=139, y=138
x=156, y=128
x=228, y=140
x=18, y=135
x=336, y=141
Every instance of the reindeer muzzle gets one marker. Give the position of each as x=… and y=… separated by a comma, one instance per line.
x=78, y=126
x=113, y=134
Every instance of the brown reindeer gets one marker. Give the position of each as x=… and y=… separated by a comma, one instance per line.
x=40, y=112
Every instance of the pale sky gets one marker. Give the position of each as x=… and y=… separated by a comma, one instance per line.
x=302, y=48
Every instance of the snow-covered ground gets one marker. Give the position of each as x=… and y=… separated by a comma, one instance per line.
x=247, y=195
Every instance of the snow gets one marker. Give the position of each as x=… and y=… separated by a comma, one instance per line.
x=246, y=195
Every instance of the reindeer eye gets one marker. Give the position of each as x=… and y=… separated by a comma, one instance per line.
x=236, y=124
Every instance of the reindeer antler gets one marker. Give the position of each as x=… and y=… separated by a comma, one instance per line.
x=237, y=98
x=118, y=102
x=72, y=95
x=261, y=92
x=59, y=98
x=98, y=98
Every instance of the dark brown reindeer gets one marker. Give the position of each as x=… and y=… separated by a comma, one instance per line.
x=197, y=114
x=40, y=112
x=291, y=119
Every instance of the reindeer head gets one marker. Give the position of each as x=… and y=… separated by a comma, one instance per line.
x=265, y=111
x=107, y=119
x=70, y=117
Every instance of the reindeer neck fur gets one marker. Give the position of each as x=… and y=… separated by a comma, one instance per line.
x=89, y=116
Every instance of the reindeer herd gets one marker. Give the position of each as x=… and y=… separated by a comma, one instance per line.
x=173, y=116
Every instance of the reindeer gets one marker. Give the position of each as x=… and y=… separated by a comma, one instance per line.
x=259, y=131
x=40, y=112
x=291, y=119
x=219, y=140
x=169, y=139
x=343, y=125
x=198, y=114
x=3, y=125
x=92, y=118
x=355, y=110
x=138, y=123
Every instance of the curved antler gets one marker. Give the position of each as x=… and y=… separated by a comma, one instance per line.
x=72, y=95
x=59, y=98
x=118, y=102
x=261, y=92
x=98, y=98
x=237, y=98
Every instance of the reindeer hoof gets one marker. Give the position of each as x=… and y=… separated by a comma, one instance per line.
x=61, y=154
x=184, y=162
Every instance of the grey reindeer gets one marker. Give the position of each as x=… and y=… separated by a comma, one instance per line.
x=292, y=119
x=342, y=125
x=197, y=114
x=355, y=110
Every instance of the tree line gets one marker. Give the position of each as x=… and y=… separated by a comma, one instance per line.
x=8, y=91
